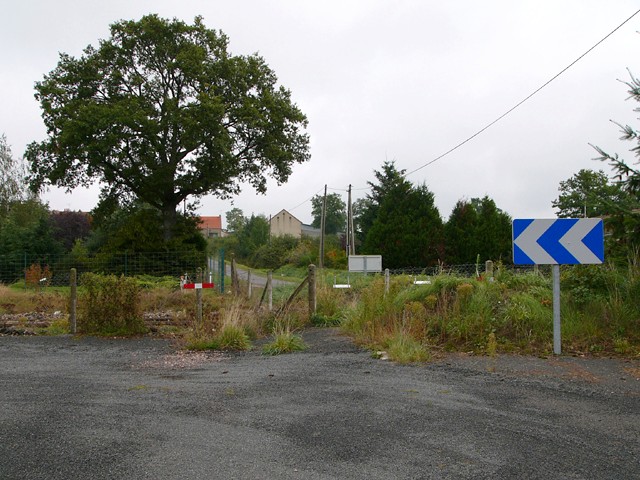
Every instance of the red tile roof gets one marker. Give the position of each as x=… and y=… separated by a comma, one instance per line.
x=214, y=222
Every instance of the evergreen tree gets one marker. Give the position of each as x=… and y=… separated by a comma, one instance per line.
x=365, y=210
x=493, y=232
x=460, y=231
x=407, y=230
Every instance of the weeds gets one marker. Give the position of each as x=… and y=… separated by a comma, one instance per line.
x=284, y=342
x=403, y=348
x=109, y=305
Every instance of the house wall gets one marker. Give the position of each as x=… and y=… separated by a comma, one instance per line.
x=285, y=224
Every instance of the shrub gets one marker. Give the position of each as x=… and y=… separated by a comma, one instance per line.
x=284, y=342
x=37, y=276
x=109, y=305
x=232, y=337
x=403, y=348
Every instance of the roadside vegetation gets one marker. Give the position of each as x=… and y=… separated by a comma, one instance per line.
x=510, y=313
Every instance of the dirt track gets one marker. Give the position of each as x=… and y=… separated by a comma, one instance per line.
x=140, y=409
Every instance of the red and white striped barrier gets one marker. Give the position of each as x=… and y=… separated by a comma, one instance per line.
x=197, y=286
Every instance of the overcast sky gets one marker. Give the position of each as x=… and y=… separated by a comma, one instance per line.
x=382, y=80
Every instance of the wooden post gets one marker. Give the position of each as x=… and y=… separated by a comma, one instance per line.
x=312, y=290
x=199, y=299
x=73, y=280
x=386, y=280
x=270, y=289
x=249, y=289
x=488, y=269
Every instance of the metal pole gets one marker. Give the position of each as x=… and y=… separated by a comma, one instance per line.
x=322, y=227
x=349, y=222
x=199, y=300
x=557, y=342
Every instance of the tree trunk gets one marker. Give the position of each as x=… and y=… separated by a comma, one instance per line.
x=169, y=219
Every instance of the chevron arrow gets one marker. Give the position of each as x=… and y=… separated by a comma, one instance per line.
x=563, y=241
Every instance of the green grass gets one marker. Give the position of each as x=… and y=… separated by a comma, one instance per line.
x=403, y=348
x=284, y=342
x=457, y=313
x=233, y=337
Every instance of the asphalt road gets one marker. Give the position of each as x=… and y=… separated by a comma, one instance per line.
x=86, y=408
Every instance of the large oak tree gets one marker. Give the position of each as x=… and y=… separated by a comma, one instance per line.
x=161, y=112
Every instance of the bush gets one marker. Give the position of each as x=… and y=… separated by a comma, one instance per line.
x=109, y=305
x=403, y=348
x=284, y=342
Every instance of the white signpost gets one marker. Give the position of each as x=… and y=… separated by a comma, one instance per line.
x=559, y=241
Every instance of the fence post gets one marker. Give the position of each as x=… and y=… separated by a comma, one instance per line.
x=386, y=280
x=222, y=269
x=270, y=288
x=210, y=269
x=488, y=269
x=199, y=299
x=235, y=287
x=249, y=290
x=312, y=290
x=73, y=280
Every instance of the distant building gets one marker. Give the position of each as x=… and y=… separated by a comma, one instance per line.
x=284, y=223
x=309, y=231
x=211, y=227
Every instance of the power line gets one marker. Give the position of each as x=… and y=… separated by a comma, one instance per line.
x=523, y=100
x=307, y=200
x=489, y=125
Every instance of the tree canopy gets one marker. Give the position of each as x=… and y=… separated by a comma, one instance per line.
x=406, y=228
x=592, y=193
x=627, y=176
x=161, y=112
x=586, y=194
x=12, y=178
x=336, y=213
x=365, y=210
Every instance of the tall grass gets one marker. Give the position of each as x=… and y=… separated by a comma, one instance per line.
x=514, y=312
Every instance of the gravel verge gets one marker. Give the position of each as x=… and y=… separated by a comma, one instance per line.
x=82, y=407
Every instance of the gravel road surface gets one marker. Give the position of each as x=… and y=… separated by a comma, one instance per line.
x=88, y=408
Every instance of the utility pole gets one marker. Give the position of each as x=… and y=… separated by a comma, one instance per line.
x=322, y=225
x=348, y=249
x=352, y=239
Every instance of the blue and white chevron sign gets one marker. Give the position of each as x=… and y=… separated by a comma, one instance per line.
x=561, y=241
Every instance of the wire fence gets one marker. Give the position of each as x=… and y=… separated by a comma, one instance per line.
x=54, y=270
x=467, y=270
